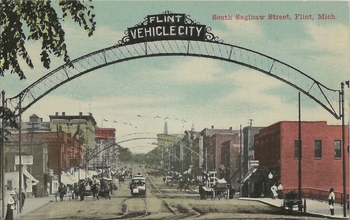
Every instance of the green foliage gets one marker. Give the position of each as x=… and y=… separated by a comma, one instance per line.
x=43, y=23
x=9, y=120
x=125, y=154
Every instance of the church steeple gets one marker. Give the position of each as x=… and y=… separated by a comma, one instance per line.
x=165, y=128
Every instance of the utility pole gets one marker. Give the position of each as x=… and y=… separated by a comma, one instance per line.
x=59, y=154
x=344, y=151
x=20, y=155
x=240, y=160
x=300, y=151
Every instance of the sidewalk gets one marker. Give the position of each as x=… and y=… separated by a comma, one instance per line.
x=313, y=207
x=32, y=204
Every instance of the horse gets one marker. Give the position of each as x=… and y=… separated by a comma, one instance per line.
x=95, y=189
x=81, y=189
x=76, y=190
x=62, y=190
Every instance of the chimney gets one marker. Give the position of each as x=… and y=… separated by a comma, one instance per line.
x=56, y=113
x=63, y=113
x=212, y=127
x=80, y=113
x=230, y=128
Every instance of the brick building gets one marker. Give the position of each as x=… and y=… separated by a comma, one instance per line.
x=81, y=127
x=193, y=153
x=276, y=148
x=170, y=148
x=248, y=147
x=212, y=142
x=62, y=153
x=35, y=169
x=105, y=147
x=230, y=165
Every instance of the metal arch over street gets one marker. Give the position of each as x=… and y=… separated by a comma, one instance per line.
x=204, y=49
x=174, y=34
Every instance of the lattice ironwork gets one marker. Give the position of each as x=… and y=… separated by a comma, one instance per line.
x=326, y=97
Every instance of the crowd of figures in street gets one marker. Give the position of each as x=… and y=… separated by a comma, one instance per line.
x=208, y=184
x=101, y=185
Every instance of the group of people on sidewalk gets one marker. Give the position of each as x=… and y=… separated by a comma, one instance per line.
x=12, y=203
x=277, y=190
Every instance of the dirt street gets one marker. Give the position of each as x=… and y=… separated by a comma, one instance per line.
x=180, y=205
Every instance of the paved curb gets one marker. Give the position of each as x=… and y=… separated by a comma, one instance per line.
x=304, y=213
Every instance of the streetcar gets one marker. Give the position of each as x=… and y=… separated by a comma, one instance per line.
x=138, y=185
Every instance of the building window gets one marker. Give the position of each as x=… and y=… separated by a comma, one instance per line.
x=9, y=185
x=337, y=149
x=318, y=149
x=296, y=149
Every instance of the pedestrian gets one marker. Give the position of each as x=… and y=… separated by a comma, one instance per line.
x=331, y=198
x=22, y=198
x=11, y=205
x=274, y=191
x=280, y=191
x=15, y=197
x=47, y=189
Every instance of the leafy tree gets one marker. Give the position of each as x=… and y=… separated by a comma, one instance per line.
x=125, y=154
x=41, y=23
x=9, y=120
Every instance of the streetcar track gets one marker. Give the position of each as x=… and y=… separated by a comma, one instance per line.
x=181, y=212
x=178, y=211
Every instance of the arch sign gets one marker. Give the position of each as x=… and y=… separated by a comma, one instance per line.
x=167, y=26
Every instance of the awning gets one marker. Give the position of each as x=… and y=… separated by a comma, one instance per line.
x=28, y=175
x=248, y=175
x=67, y=178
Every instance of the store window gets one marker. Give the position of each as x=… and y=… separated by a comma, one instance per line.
x=318, y=149
x=337, y=149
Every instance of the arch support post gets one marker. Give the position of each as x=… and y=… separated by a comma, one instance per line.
x=342, y=114
x=2, y=158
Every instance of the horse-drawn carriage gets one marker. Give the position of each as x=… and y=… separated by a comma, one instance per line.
x=292, y=199
x=84, y=188
x=221, y=190
x=95, y=188
x=105, y=189
x=215, y=188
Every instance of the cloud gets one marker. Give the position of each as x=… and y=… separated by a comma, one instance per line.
x=191, y=70
x=332, y=38
x=241, y=32
x=80, y=44
x=252, y=88
x=127, y=101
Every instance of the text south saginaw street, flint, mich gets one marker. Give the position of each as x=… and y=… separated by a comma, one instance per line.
x=247, y=17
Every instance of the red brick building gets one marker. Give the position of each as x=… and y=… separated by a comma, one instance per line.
x=105, y=139
x=59, y=143
x=276, y=148
x=212, y=143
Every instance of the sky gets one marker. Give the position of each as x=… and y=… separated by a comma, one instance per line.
x=138, y=97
